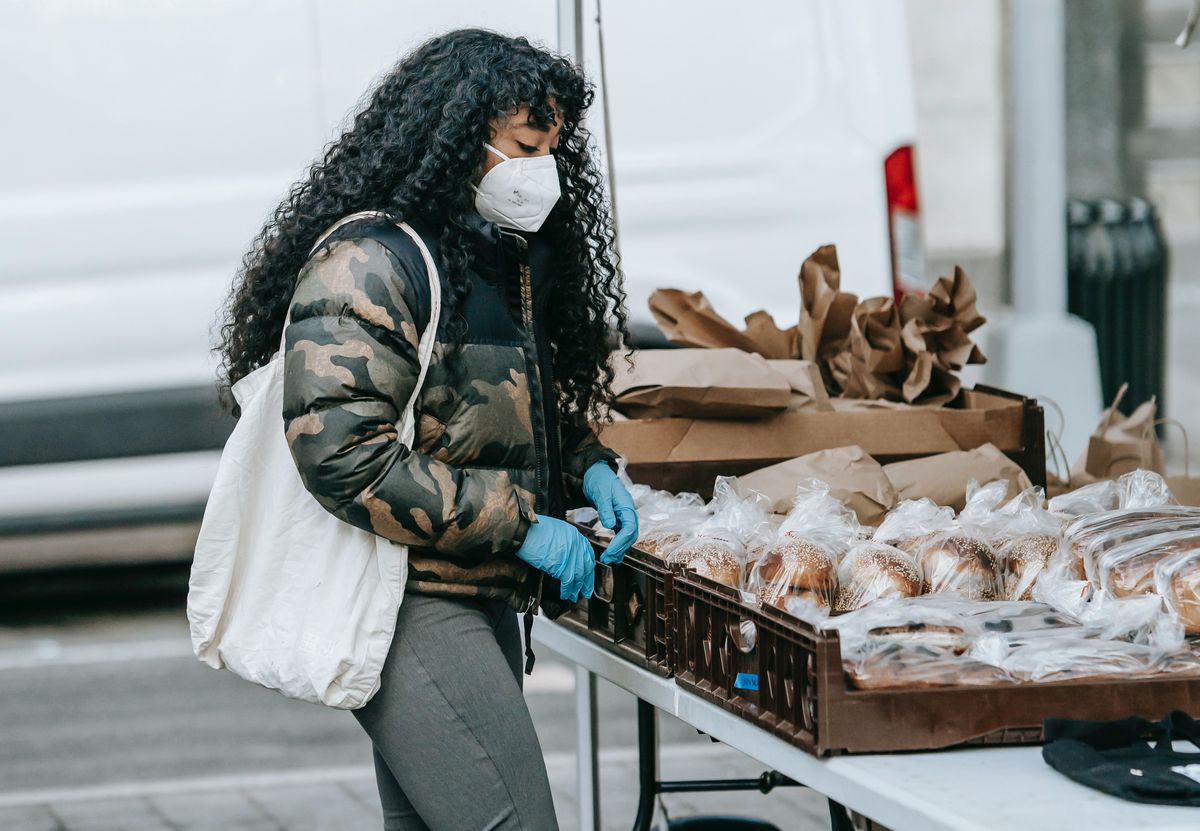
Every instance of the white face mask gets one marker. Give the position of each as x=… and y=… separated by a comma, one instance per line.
x=518, y=193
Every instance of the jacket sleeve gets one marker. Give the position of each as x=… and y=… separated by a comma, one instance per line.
x=350, y=365
x=581, y=449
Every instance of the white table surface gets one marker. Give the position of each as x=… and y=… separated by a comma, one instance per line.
x=996, y=788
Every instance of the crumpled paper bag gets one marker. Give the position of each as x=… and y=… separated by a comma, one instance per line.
x=689, y=319
x=868, y=368
x=852, y=475
x=876, y=350
x=808, y=387
x=935, y=332
x=825, y=310
x=944, y=477
x=873, y=350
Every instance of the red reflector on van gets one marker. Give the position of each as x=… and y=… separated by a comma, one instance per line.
x=904, y=224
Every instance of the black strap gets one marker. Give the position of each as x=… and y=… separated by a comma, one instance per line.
x=529, y=656
x=1106, y=735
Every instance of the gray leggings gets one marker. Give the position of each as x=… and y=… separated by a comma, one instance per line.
x=454, y=744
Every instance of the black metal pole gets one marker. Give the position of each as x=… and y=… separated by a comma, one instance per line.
x=839, y=819
x=767, y=782
x=647, y=766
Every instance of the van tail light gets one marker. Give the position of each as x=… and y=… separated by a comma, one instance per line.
x=904, y=224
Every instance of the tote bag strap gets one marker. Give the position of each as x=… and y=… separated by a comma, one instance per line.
x=320, y=241
x=425, y=346
x=408, y=427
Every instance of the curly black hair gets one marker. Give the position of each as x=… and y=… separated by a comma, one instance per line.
x=414, y=150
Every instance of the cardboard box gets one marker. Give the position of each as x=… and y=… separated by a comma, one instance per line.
x=681, y=454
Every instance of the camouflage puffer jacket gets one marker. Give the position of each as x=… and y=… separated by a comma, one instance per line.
x=489, y=452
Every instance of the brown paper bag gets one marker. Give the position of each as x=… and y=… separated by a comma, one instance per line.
x=698, y=383
x=770, y=341
x=1186, y=489
x=852, y=475
x=875, y=353
x=934, y=330
x=825, y=310
x=1121, y=443
x=944, y=477
x=690, y=320
x=808, y=388
x=855, y=405
x=869, y=350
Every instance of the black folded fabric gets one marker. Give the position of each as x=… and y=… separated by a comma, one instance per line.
x=1131, y=758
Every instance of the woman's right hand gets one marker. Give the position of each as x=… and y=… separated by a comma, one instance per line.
x=559, y=549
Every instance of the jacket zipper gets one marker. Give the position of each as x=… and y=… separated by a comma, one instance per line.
x=527, y=315
x=527, y=319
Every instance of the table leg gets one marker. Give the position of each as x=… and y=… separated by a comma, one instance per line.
x=647, y=721
x=587, y=760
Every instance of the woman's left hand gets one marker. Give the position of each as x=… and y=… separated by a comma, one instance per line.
x=614, y=504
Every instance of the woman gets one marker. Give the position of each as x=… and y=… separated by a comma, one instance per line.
x=475, y=140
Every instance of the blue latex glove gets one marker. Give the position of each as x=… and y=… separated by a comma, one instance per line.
x=615, y=506
x=557, y=548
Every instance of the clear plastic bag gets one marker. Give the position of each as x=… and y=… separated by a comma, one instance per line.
x=941, y=640
x=1177, y=581
x=801, y=561
x=1127, y=570
x=961, y=561
x=661, y=540
x=666, y=519
x=872, y=571
x=719, y=547
x=1090, y=499
x=897, y=665
x=911, y=643
x=1097, y=509
x=656, y=506
x=1127, y=637
x=1021, y=561
x=715, y=553
x=794, y=568
x=1109, y=539
x=943, y=622
x=982, y=515
x=1026, y=536
x=912, y=522
x=1084, y=530
x=1069, y=657
x=1144, y=489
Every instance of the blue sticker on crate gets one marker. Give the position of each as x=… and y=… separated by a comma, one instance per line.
x=746, y=681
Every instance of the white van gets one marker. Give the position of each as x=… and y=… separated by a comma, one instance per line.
x=147, y=142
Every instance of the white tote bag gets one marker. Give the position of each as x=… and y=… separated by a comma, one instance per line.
x=282, y=592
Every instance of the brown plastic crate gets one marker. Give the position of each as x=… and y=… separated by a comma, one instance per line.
x=803, y=696
x=631, y=613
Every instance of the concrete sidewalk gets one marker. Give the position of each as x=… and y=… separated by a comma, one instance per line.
x=344, y=799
